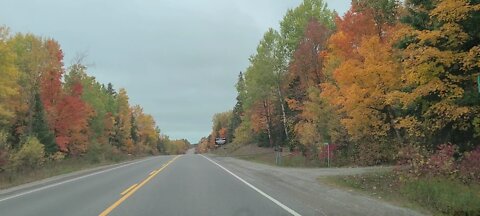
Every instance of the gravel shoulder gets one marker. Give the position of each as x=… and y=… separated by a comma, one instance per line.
x=299, y=189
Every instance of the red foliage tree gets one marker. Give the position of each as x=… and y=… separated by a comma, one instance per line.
x=67, y=113
x=307, y=64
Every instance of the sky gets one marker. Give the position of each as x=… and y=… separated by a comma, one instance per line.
x=178, y=59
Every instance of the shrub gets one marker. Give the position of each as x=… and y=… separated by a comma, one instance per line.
x=31, y=154
x=95, y=153
x=57, y=156
x=442, y=162
x=4, y=149
x=411, y=162
x=470, y=166
x=415, y=162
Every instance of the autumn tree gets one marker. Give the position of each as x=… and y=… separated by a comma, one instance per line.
x=262, y=83
x=237, y=112
x=441, y=55
x=296, y=20
x=32, y=59
x=145, y=130
x=384, y=13
x=123, y=124
x=40, y=128
x=305, y=73
x=221, y=121
x=9, y=76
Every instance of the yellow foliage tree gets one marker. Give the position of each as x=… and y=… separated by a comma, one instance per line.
x=9, y=75
x=442, y=61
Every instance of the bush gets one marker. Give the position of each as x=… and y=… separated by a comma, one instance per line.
x=57, y=156
x=95, y=153
x=447, y=196
x=470, y=166
x=443, y=163
x=31, y=154
x=411, y=161
x=415, y=162
x=4, y=149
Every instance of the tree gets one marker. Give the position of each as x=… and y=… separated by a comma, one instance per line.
x=361, y=75
x=295, y=22
x=221, y=121
x=67, y=113
x=441, y=55
x=72, y=121
x=307, y=62
x=237, y=111
x=9, y=75
x=123, y=124
x=306, y=71
x=351, y=28
x=32, y=58
x=384, y=13
x=145, y=130
x=262, y=82
x=40, y=127
x=31, y=154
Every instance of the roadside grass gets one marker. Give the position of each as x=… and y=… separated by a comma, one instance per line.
x=257, y=154
x=432, y=196
x=11, y=178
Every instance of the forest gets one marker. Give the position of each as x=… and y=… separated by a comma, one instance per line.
x=388, y=82
x=49, y=112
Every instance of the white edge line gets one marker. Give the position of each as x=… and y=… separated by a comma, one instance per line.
x=70, y=180
x=286, y=208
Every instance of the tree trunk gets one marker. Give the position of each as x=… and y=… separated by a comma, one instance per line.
x=269, y=131
x=391, y=117
x=284, y=116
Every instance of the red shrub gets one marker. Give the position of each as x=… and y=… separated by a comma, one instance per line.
x=412, y=161
x=326, y=151
x=470, y=166
x=442, y=163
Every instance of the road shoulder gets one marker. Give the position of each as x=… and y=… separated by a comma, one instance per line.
x=300, y=189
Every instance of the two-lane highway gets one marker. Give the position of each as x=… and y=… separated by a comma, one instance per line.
x=164, y=185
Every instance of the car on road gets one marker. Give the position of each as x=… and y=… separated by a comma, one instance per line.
x=220, y=141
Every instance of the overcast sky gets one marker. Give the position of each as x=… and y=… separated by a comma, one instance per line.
x=178, y=59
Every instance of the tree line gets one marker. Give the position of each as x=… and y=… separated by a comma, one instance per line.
x=385, y=76
x=51, y=112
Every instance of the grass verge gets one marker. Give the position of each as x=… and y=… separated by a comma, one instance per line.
x=433, y=196
x=11, y=178
x=264, y=155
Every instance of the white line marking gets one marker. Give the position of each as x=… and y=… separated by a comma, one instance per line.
x=70, y=180
x=289, y=210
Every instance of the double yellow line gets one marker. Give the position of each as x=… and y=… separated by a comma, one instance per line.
x=132, y=189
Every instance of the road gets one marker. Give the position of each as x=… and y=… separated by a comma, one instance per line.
x=164, y=185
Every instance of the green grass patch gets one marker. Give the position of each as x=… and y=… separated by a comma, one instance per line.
x=447, y=196
x=286, y=161
x=430, y=196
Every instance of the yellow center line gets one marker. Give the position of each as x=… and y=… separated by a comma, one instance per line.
x=128, y=189
x=152, y=172
x=134, y=189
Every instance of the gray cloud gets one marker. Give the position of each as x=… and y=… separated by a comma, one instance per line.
x=177, y=59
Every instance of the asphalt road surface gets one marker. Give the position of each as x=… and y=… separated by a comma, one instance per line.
x=165, y=185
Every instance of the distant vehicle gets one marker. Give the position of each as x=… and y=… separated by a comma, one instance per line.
x=220, y=141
